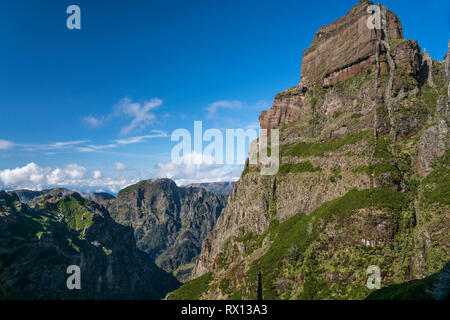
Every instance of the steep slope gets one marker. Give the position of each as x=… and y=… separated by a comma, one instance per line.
x=4, y=290
x=222, y=188
x=434, y=287
x=31, y=197
x=363, y=177
x=169, y=222
x=37, y=246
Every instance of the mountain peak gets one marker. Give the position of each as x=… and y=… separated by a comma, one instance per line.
x=341, y=50
x=347, y=42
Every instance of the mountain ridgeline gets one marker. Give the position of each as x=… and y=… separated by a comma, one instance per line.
x=114, y=241
x=38, y=244
x=169, y=222
x=363, y=178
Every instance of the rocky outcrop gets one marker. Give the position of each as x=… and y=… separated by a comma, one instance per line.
x=435, y=141
x=345, y=49
x=38, y=245
x=287, y=107
x=221, y=188
x=363, y=176
x=169, y=222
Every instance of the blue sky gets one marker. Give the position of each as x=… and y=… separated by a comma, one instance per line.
x=93, y=109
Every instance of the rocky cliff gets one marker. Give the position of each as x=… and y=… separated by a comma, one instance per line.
x=342, y=50
x=363, y=177
x=169, y=222
x=38, y=244
x=222, y=188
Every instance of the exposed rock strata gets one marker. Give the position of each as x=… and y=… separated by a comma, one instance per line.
x=169, y=222
x=368, y=136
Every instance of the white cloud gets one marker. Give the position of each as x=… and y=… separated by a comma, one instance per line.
x=155, y=134
x=5, y=144
x=138, y=112
x=195, y=167
x=64, y=145
x=120, y=166
x=74, y=171
x=224, y=104
x=93, y=121
x=92, y=148
x=125, y=141
x=97, y=174
x=72, y=176
x=36, y=177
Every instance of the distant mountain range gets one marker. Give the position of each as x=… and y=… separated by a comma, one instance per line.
x=38, y=244
x=113, y=240
x=222, y=188
x=169, y=222
x=30, y=196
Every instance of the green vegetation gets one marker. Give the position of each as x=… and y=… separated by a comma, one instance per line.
x=193, y=289
x=74, y=209
x=437, y=187
x=297, y=168
x=377, y=169
x=382, y=148
x=73, y=245
x=289, y=92
x=247, y=237
x=247, y=170
x=429, y=96
x=393, y=43
x=224, y=286
x=273, y=206
x=106, y=251
x=305, y=149
x=224, y=258
x=352, y=84
x=336, y=174
x=411, y=290
x=337, y=114
x=301, y=230
x=237, y=295
x=252, y=241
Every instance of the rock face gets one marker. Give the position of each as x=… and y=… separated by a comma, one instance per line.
x=346, y=47
x=363, y=177
x=169, y=222
x=342, y=50
x=37, y=245
x=221, y=188
x=31, y=197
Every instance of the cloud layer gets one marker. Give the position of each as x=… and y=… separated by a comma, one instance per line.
x=5, y=144
x=223, y=104
x=195, y=167
x=35, y=177
x=138, y=114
